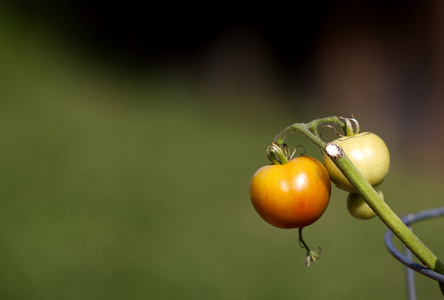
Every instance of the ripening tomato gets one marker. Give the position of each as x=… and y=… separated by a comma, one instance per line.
x=292, y=195
x=368, y=153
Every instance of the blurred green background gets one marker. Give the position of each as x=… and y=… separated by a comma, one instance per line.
x=125, y=164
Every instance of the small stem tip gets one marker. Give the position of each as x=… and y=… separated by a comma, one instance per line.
x=312, y=256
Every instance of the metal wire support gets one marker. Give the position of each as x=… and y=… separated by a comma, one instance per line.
x=407, y=259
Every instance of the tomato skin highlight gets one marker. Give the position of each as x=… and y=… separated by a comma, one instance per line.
x=292, y=195
x=368, y=153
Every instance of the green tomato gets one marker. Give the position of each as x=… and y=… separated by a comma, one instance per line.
x=358, y=208
x=368, y=153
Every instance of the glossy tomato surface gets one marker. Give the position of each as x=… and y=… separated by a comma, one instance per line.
x=368, y=153
x=292, y=195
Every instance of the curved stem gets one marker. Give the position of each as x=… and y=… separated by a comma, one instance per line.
x=310, y=130
x=301, y=240
x=384, y=212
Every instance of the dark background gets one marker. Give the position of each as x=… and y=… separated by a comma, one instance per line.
x=376, y=58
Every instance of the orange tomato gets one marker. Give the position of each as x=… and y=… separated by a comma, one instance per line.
x=292, y=195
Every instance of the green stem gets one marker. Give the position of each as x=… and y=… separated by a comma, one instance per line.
x=310, y=130
x=385, y=213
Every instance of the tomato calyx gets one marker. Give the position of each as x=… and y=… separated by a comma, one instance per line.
x=311, y=256
x=349, y=129
x=278, y=154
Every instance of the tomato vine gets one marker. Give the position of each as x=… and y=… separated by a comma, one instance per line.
x=278, y=153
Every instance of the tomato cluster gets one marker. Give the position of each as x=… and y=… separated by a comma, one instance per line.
x=295, y=194
x=292, y=195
